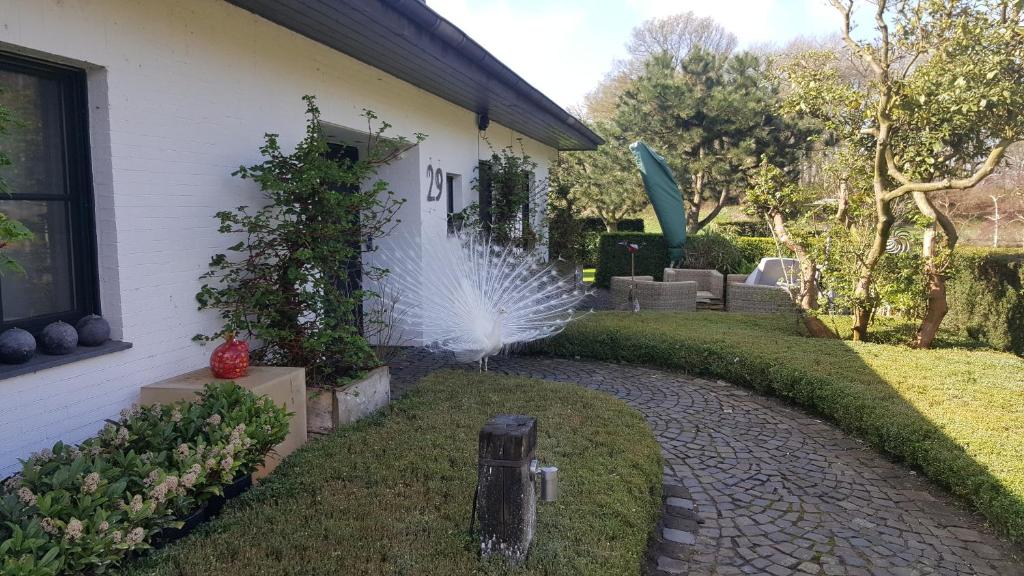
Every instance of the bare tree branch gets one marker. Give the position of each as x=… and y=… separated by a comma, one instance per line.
x=714, y=211
x=954, y=184
x=925, y=205
x=846, y=9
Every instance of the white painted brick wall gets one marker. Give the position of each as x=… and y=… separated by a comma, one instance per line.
x=180, y=94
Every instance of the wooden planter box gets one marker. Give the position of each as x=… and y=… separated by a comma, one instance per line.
x=329, y=409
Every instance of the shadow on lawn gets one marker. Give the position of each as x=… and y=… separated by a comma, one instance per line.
x=956, y=415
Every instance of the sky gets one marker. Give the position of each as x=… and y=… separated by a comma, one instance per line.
x=565, y=47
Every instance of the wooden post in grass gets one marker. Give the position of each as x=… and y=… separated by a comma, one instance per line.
x=507, y=504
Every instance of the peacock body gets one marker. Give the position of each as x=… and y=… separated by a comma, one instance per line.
x=476, y=298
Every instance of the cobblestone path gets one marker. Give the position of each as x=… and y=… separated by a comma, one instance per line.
x=753, y=486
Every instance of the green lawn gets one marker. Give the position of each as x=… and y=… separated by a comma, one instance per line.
x=955, y=414
x=393, y=495
x=900, y=332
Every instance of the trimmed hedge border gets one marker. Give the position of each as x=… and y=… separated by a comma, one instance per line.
x=613, y=259
x=860, y=387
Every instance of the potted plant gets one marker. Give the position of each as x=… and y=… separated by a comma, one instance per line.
x=289, y=283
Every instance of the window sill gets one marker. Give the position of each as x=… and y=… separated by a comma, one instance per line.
x=43, y=361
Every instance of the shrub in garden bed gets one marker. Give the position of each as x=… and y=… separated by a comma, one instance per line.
x=754, y=248
x=986, y=297
x=710, y=250
x=82, y=509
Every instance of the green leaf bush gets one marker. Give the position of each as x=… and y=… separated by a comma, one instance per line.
x=710, y=250
x=985, y=293
x=754, y=248
x=83, y=509
x=287, y=282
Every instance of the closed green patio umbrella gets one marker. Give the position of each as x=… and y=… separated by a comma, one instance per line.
x=664, y=193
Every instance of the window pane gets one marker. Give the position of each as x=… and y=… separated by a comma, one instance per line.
x=46, y=287
x=35, y=141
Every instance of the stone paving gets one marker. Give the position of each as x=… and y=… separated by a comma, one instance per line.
x=753, y=486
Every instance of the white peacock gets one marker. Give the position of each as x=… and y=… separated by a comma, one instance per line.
x=477, y=298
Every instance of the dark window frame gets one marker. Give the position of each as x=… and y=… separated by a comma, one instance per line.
x=78, y=190
x=449, y=188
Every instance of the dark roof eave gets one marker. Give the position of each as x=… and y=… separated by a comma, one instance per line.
x=416, y=44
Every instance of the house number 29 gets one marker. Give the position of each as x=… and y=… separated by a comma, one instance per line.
x=435, y=181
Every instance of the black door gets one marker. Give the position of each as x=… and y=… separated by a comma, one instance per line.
x=351, y=280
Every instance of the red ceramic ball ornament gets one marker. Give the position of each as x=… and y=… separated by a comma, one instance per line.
x=230, y=359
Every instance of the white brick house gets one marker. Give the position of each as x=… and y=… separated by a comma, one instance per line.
x=141, y=109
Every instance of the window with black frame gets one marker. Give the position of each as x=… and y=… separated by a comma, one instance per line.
x=49, y=191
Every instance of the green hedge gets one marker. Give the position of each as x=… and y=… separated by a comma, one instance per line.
x=632, y=225
x=985, y=297
x=742, y=228
x=754, y=248
x=727, y=254
x=614, y=260
x=714, y=250
x=576, y=239
x=591, y=224
x=954, y=414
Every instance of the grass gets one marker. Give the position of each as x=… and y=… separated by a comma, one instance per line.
x=728, y=213
x=955, y=414
x=900, y=332
x=393, y=495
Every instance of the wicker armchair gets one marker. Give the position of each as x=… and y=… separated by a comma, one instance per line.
x=709, y=284
x=654, y=295
x=756, y=298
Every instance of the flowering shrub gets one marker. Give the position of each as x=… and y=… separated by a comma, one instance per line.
x=81, y=509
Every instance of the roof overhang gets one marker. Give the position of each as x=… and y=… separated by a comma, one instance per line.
x=408, y=40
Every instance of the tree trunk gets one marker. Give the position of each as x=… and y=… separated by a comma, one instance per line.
x=937, y=305
x=611, y=225
x=693, y=213
x=808, y=283
x=862, y=289
x=935, y=271
x=693, y=203
x=808, y=297
x=843, y=201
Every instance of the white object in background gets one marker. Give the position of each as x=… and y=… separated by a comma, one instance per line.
x=775, y=272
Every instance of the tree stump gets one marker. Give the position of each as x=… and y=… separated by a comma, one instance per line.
x=507, y=504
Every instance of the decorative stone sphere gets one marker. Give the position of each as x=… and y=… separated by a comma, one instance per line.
x=16, y=346
x=92, y=330
x=58, y=338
